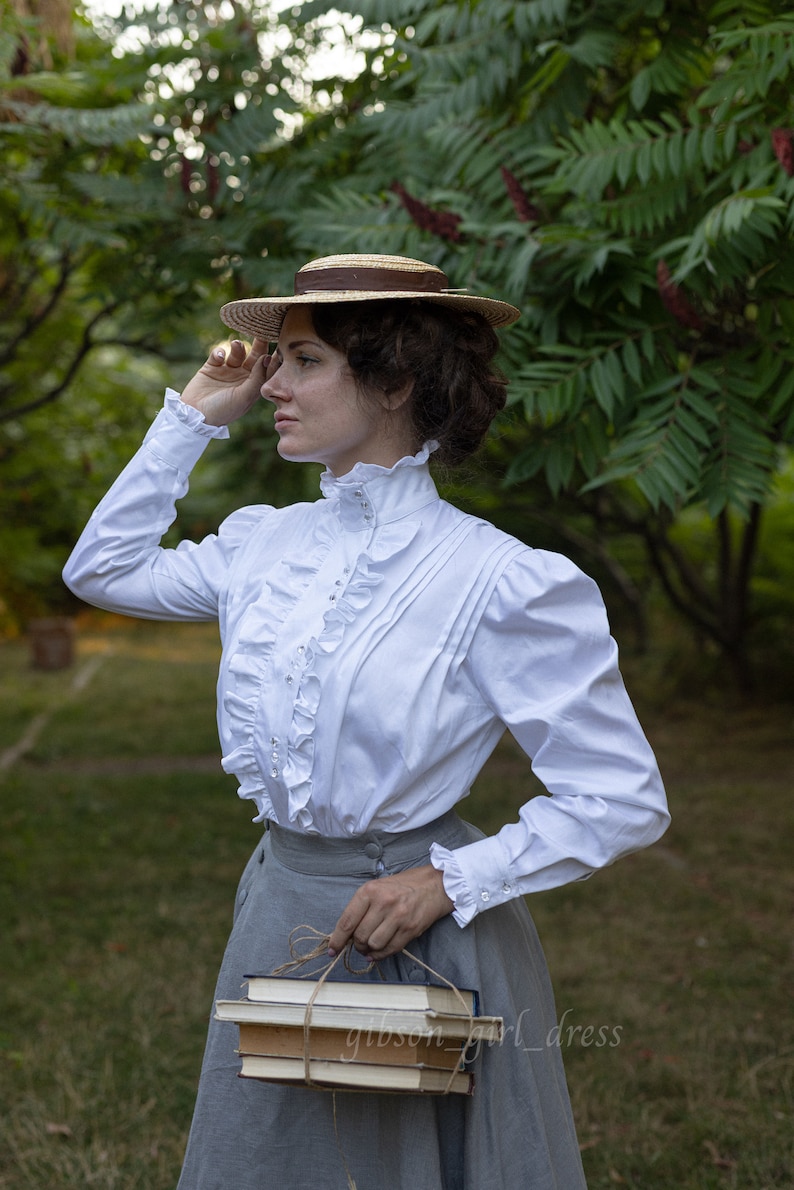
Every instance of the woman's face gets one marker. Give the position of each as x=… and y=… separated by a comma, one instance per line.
x=320, y=415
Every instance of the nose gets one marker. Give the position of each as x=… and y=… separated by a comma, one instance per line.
x=274, y=389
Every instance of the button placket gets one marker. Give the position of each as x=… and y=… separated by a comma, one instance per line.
x=374, y=852
x=274, y=757
x=339, y=585
x=296, y=666
x=360, y=495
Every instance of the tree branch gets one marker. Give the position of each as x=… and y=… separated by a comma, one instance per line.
x=724, y=576
x=85, y=345
x=41, y=313
x=744, y=568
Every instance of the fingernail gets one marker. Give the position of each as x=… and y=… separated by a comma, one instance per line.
x=331, y=953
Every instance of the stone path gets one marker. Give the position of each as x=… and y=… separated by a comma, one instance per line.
x=30, y=735
x=106, y=765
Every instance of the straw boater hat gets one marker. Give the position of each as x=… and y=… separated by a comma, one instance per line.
x=360, y=278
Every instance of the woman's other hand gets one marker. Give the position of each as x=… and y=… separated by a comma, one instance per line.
x=229, y=383
x=384, y=915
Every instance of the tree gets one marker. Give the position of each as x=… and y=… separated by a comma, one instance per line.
x=123, y=227
x=105, y=277
x=624, y=173
x=68, y=284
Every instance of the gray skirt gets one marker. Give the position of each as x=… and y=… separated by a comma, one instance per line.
x=515, y=1132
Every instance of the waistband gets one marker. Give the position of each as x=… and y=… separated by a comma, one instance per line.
x=367, y=855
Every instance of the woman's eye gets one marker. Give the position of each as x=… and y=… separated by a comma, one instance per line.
x=303, y=360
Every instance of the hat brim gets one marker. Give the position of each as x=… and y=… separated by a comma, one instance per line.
x=262, y=317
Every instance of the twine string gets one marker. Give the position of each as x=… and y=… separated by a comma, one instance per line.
x=466, y=1009
x=299, y=937
x=303, y=934
x=351, y=1184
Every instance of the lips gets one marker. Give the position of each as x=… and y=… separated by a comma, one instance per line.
x=281, y=420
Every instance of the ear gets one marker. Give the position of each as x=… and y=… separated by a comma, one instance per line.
x=397, y=399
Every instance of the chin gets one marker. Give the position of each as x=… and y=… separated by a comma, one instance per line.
x=294, y=455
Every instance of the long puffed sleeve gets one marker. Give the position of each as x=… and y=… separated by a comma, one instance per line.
x=118, y=563
x=544, y=660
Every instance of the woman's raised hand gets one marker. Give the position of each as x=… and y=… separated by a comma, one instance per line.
x=229, y=383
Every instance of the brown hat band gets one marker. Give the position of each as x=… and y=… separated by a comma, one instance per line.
x=374, y=280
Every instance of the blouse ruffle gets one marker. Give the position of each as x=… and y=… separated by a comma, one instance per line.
x=251, y=662
x=191, y=417
x=250, y=668
x=331, y=485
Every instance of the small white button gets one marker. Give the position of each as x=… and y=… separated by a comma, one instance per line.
x=485, y=895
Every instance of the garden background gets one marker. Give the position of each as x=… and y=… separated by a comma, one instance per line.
x=622, y=172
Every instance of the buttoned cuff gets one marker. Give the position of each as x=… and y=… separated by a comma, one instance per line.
x=476, y=877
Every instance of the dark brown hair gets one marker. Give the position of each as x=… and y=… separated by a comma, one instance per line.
x=447, y=355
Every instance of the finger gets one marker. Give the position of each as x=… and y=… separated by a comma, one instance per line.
x=236, y=354
x=388, y=935
x=374, y=954
x=378, y=927
x=259, y=348
x=381, y=945
x=349, y=922
x=259, y=368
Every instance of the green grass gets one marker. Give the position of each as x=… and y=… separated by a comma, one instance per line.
x=120, y=847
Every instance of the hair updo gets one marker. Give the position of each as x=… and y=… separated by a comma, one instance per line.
x=446, y=355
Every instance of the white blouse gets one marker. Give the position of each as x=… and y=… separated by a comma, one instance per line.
x=376, y=643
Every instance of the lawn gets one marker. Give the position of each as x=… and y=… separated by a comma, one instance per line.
x=121, y=845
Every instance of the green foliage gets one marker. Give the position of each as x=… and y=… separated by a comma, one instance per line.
x=57, y=462
x=107, y=266
x=625, y=174
x=622, y=172
x=641, y=139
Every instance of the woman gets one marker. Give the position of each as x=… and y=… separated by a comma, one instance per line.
x=376, y=644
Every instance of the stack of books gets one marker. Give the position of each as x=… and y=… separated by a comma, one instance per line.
x=361, y=1035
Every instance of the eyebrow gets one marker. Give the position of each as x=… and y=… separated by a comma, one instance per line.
x=300, y=343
